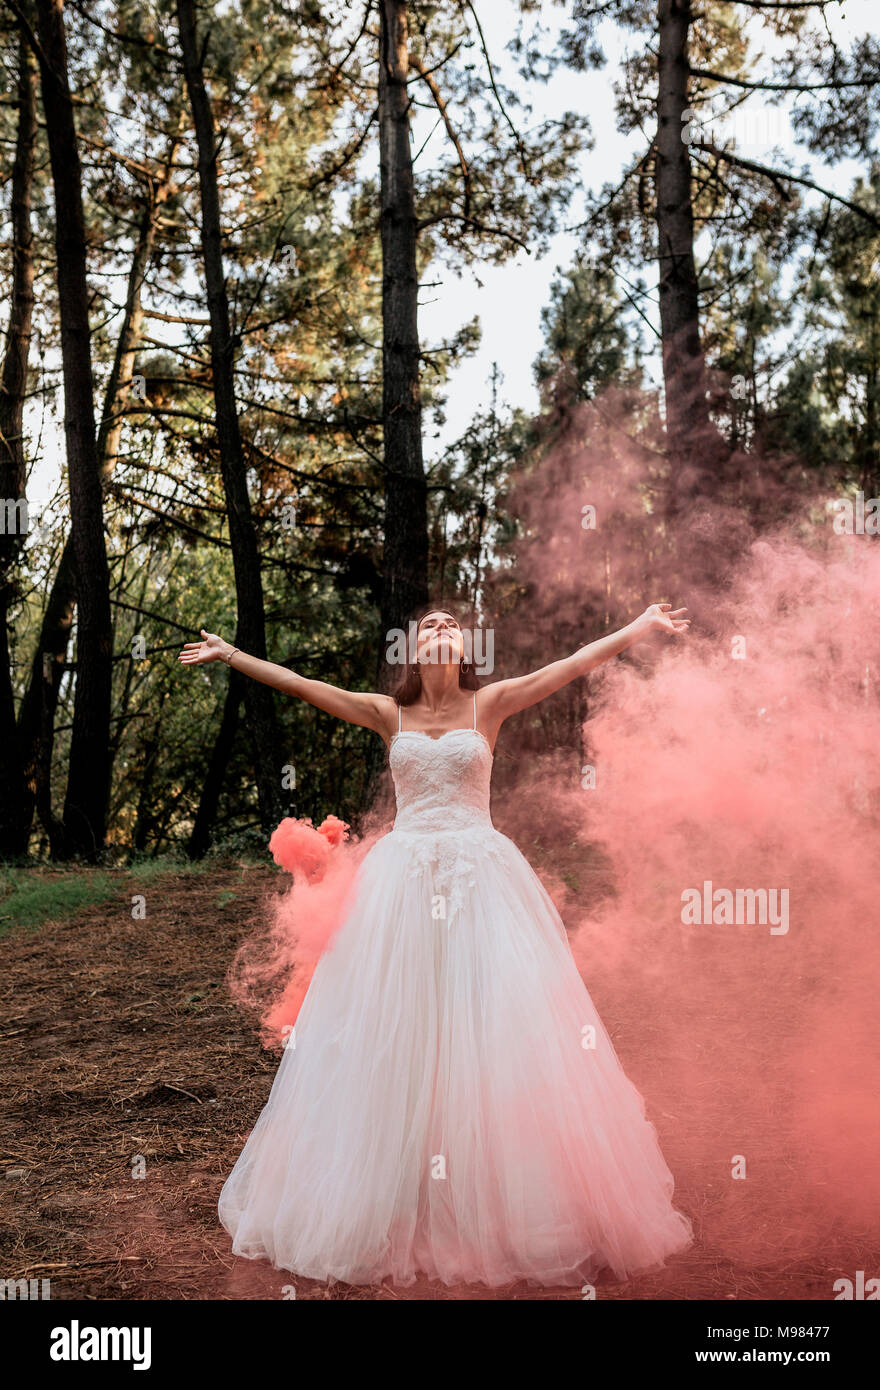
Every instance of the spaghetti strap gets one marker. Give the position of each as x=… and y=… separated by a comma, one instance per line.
x=399, y=712
x=475, y=711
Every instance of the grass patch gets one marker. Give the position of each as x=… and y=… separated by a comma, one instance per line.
x=29, y=896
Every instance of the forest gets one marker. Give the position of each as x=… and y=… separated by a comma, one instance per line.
x=219, y=410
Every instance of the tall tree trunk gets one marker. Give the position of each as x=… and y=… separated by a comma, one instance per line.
x=691, y=434
x=36, y=719
x=405, y=560
x=212, y=786
x=36, y=716
x=251, y=625
x=13, y=825
x=869, y=473
x=88, y=780
x=148, y=755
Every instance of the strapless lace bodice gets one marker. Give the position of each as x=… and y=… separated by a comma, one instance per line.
x=442, y=783
x=443, y=820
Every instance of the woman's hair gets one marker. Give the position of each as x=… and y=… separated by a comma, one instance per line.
x=409, y=684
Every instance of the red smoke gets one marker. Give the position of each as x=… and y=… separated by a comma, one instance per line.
x=744, y=755
x=273, y=968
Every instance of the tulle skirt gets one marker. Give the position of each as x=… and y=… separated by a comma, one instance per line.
x=449, y=1102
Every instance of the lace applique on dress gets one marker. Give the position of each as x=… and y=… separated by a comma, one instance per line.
x=442, y=789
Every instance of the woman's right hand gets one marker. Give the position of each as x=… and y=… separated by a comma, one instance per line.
x=661, y=617
x=213, y=648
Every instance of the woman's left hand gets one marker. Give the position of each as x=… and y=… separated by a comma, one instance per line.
x=660, y=617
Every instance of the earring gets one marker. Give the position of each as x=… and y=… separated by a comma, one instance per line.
x=465, y=666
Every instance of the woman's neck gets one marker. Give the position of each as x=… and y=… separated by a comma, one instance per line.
x=439, y=687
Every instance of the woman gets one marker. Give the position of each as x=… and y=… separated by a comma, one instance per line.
x=452, y=1104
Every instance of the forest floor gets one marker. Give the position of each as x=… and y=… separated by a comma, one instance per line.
x=122, y=1044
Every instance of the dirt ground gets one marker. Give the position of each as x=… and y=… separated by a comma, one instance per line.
x=120, y=1040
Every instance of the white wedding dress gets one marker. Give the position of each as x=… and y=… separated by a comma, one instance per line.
x=451, y=1104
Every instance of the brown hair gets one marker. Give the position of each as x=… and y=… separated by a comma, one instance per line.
x=409, y=686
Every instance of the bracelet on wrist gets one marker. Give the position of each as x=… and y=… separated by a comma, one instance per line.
x=228, y=658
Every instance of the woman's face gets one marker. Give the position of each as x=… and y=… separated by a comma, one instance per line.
x=439, y=638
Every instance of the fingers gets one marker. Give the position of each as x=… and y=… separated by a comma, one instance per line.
x=192, y=653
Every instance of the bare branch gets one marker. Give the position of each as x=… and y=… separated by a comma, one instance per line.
x=470, y=222
x=786, y=4
x=519, y=144
x=450, y=129
x=782, y=86
x=775, y=175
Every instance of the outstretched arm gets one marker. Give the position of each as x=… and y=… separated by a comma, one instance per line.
x=355, y=706
x=510, y=696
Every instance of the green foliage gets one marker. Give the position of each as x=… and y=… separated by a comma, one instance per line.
x=32, y=895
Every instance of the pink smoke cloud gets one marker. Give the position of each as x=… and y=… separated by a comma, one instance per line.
x=272, y=970
x=745, y=756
